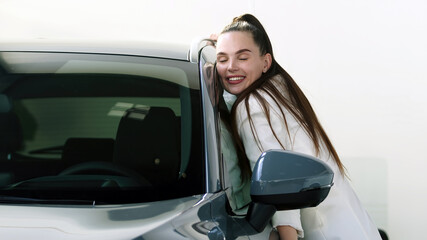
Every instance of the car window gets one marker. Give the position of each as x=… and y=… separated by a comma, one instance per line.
x=237, y=191
x=104, y=128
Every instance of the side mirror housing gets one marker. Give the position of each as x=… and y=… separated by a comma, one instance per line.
x=285, y=180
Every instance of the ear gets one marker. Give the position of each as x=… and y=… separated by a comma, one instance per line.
x=267, y=62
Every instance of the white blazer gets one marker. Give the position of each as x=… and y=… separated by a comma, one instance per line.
x=340, y=215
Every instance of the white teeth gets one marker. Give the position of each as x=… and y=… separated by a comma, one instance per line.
x=235, y=78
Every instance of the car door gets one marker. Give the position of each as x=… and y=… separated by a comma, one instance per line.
x=231, y=224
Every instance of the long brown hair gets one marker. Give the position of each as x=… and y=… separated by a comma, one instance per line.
x=294, y=100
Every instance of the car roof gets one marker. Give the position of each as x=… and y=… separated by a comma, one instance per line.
x=178, y=51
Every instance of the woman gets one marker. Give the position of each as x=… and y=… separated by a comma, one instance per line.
x=271, y=112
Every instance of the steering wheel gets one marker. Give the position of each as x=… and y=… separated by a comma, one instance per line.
x=106, y=168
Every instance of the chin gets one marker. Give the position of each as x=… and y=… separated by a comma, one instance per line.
x=234, y=91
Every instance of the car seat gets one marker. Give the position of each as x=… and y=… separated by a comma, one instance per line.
x=147, y=141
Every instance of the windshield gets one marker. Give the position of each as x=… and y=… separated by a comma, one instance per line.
x=96, y=128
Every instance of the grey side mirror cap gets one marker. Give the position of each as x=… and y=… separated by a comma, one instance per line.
x=285, y=180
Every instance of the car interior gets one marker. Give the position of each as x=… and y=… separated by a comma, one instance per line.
x=89, y=136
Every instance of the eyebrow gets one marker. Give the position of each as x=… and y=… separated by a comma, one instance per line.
x=238, y=52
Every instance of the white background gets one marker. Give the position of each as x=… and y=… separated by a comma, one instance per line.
x=363, y=65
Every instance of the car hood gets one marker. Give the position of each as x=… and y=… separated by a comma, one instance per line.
x=89, y=222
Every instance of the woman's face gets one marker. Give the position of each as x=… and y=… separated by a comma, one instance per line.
x=239, y=61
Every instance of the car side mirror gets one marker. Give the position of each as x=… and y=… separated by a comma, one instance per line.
x=285, y=180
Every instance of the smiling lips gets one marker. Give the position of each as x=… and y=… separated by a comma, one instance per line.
x=235, y=79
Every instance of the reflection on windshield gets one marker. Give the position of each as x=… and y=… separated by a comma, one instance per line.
x=84, y=137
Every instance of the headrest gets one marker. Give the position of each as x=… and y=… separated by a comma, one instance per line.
x=148, y=141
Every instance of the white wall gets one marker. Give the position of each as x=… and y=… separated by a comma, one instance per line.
x=363, y=65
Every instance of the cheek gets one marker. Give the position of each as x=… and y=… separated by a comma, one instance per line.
x=224, y=84
x=222, y=74
x=256, y=70
x=221, y=70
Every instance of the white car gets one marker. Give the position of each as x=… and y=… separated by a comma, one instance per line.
x=120, y=141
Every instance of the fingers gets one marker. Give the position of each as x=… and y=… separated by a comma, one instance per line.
x=212, y=39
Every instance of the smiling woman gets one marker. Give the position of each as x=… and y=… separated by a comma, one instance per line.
x=240, y=64
x=271, y=112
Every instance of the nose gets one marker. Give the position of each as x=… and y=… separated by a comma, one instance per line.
x=232, y=66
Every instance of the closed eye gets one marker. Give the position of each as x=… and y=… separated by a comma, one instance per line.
x=243, y=57
x=221, y=59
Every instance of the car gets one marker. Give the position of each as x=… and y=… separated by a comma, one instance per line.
x=121, y=141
